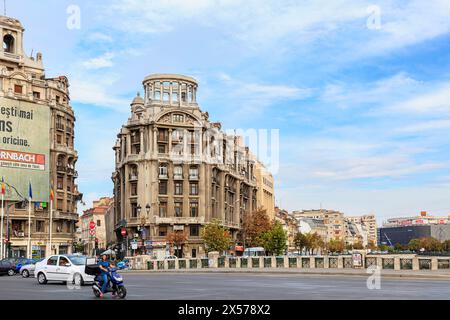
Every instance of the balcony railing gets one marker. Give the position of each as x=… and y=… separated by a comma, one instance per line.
x=59, y=126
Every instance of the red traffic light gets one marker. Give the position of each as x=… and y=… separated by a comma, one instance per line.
x=123, y=232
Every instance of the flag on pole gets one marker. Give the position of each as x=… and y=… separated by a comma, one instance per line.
x=3, y=186
x=30, y=191
x=52, y=196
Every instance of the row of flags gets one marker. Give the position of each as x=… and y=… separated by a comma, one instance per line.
x=30, y=190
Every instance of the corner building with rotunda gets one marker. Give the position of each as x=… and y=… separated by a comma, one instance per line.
x=176, y=171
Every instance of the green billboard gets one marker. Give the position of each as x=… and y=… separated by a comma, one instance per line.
x=25, y=148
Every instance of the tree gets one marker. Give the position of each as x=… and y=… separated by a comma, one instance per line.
x=414, y=245
x=255, y=225
x=300, y=241
x=430, y=244
x=315, y=242
x=177, y=239
x=216, y=237
x=358, y=245
x=275, y=239
x=371, y=245
x=446, y=246
x=398, y=247
x=335, y=245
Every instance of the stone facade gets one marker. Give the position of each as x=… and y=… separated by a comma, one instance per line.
x=176, y=170
x=96, y=214
x=22, y=78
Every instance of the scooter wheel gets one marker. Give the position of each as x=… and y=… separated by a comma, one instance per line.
x=122, y=292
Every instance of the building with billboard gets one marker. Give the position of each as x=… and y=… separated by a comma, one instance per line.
x=37, y=148
x=176, y=171
x=403, y=229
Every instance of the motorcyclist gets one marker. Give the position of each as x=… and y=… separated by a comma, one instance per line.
x=104, y=267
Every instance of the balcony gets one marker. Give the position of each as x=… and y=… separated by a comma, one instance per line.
x=163, y=176
x=60, y=168
x=133, y=177
x=179, y=220
x=59, y=126
x=178, y=176
x=193, y=177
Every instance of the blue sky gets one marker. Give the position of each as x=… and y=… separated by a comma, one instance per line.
x=363, y=108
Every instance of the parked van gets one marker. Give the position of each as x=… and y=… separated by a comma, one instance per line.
x=254, y=252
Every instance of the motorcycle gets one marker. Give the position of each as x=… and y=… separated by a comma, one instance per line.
x=115, y=284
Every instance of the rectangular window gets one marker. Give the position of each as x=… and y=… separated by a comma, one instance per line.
x=17, y=89
x=163, y=187
x=178, y=188
x=162, y=149
x=178, y=172
x=162, y=231
x=40, y=225
x=193, y=208
x=163, y=170
x=163, y=135
x=194, y=231
x=36, y=95
x=178, y=118
x=134, y=190
x=193, y=173
x=166, y=96
x=98, y=223
x=193, y=189
x=175, y=97
x=58, y=139
x=157, y=95
x=134, y=210
x=59, y=205
x=163, y=209
x=178, y=209
x=59, y=183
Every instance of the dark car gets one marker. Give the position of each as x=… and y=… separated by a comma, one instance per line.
x=7, y=267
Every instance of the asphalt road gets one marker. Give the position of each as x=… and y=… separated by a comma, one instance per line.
x=217, y=286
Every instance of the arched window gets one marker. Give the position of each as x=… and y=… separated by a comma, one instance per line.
x=8, y=43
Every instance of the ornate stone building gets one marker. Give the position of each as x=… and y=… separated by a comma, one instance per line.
x=22, y=79
x=176, y=170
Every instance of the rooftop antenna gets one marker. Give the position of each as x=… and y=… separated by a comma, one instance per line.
x=4, y=7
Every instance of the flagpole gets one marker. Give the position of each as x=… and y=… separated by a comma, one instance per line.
x=51, y=226
x=1, y=227
x=29, y=221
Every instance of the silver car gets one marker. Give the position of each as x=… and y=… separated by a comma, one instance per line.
x=27, y=270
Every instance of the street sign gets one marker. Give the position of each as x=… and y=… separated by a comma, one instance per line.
x=92, y=225
x=92, y=232
x=123, y=232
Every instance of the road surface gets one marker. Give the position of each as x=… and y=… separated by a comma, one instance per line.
x=221, y=286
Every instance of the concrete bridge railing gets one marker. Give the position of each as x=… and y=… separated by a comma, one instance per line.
x=393, y=262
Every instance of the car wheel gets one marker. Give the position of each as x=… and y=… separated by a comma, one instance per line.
x=42, y=279
x=11, y=272
x=25, y=273
x=77, y=279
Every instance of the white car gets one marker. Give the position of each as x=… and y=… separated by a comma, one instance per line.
x=66, y=268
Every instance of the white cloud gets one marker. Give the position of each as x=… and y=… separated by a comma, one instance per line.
x=100, y=37
x=435, y=101
x=97, y=93
x=425, y=126
x=103, y=61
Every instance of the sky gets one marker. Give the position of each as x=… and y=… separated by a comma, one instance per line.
x=359, y=90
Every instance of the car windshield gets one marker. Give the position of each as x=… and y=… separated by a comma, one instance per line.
x=77, y=260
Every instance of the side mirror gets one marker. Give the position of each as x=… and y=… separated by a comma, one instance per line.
x=67, y=264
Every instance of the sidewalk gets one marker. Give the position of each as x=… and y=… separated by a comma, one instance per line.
x=422, y=274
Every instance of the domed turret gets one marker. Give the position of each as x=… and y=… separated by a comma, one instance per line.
x=137, y=100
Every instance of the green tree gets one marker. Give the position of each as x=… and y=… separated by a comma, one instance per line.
x=275, y=239
x=335, y=245
x=446, y=246
x=315, y=242
x=300, y=241
x=414, y=245
x=216, y=237
x=398, y=247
